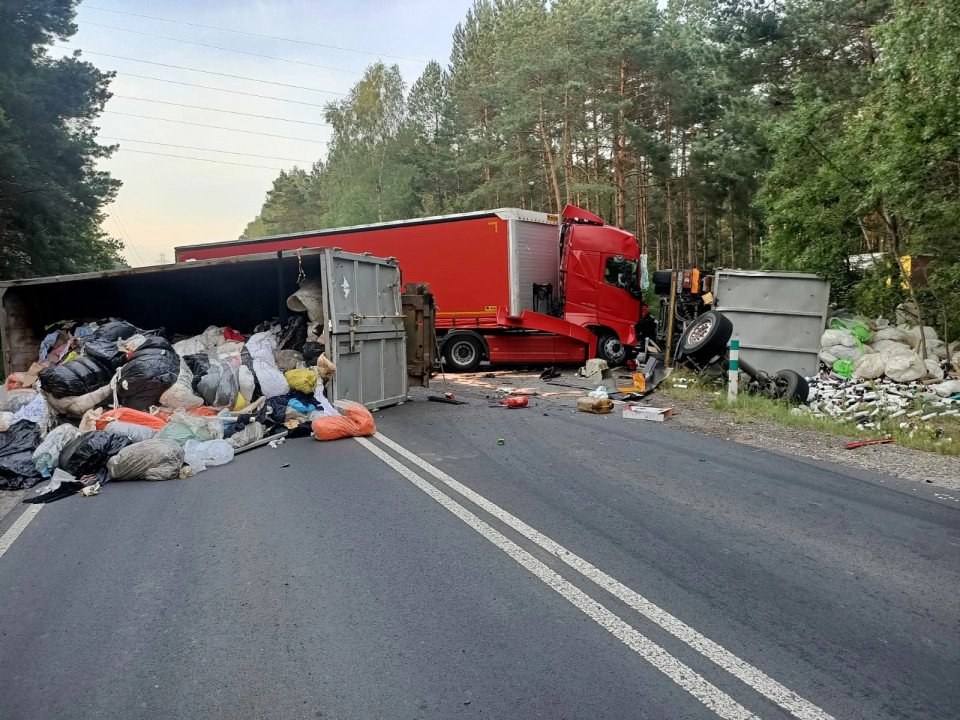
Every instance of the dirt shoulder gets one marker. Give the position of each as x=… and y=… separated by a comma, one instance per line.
x=693, y=412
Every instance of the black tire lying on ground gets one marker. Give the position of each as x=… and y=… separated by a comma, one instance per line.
x=795, y=386
x=706, y=336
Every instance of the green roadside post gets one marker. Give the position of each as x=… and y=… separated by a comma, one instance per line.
x=733, y=372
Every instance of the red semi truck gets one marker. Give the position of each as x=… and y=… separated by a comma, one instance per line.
x=510, y=285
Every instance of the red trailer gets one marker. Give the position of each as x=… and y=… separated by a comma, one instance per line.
x=511, y=286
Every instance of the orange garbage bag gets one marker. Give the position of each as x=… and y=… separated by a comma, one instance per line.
x=129, y=415
x=355, y=422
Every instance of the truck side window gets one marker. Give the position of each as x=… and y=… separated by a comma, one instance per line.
x=622, y=273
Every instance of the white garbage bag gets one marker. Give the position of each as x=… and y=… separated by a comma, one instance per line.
x=870, y=367
x=831, y=338
x=934, y=371
x=904, y=367
x=201, y=455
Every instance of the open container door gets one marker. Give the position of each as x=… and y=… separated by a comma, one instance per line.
x=366, y=337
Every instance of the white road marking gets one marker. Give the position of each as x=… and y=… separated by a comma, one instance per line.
x=13, y=532
x=752, y=676
x=704, y=691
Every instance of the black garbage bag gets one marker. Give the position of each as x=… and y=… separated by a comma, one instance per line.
x=219, y=386
x=311, y=352
x=199, y=364
x=88, y=454
x=101, y=345
x=105, y=352
x=151, y=370
x=80, y=376
x=17, y=471
x=114, y=330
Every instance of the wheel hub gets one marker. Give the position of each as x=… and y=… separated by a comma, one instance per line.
x=701, y=330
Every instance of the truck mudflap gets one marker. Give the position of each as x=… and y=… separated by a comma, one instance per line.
x=529, y=320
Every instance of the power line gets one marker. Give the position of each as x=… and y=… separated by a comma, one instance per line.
x=188, y=157
x=225, y=49
x=253, y=34
x=205, y=149
x=214, y=127
x=228, y=112
x=225, y=90
x=205, y=72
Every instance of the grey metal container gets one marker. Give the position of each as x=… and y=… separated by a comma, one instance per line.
x=364, y=329
x=778, y=317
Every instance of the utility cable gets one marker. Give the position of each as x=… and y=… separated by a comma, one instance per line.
x=253, y=34
x=188, y=157
x=214, y=127
x=219, y=110
x=204, y=149
x=204, y=72
x=224, y=49
x=224, y=90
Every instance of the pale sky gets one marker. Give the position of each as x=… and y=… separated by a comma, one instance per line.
x=168, y=201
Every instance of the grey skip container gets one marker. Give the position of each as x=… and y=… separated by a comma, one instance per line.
x=363, y=331
x=777, y=316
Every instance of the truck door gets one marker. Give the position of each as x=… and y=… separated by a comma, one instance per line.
x=419, y=320
x=619, y=292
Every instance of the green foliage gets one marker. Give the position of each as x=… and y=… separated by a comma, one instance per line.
x=790, y=135
x=51, y=193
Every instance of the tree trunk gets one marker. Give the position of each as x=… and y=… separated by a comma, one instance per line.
x=549, y=162
x=567, y=150
x=620, y=155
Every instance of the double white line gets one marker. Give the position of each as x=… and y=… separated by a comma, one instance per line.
x=694, y=683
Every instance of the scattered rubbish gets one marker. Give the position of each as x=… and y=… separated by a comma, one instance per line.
x=528, y=391
x=356, y=421
x=447, y=398
x=17, y=469
x=147, y=460
x=515, y=402
x=551, y=373
x=597, y=406
x=91, y=490
x=208, y=453
x=596, y=370
x=639, y=384
x=601, y=393
x=864, y=443
x=285, y=465
x=277, y=443
x=501, y=441
x=645, y=412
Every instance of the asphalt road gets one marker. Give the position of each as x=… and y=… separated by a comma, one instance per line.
x=589, y=567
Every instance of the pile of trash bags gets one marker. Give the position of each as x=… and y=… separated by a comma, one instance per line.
x=859, y=349
x=108, y=401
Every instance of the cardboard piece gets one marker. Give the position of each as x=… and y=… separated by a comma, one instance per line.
x=645, y=412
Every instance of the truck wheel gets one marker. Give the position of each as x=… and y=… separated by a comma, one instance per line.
x=792, y=386
x=610, y=348
x=708, y=334
x=462, y=353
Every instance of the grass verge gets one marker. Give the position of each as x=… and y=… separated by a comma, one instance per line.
x=942, y=435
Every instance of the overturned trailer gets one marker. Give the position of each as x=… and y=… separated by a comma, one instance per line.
x=366, y=329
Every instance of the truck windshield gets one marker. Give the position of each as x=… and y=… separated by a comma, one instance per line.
x=622, y=273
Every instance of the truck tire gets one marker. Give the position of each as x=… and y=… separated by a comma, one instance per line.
x=462, y=353
x=794, y=386
x=706, y=336
x=661, y=281
x=610, y=348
